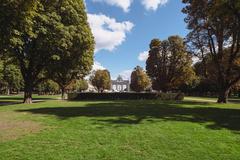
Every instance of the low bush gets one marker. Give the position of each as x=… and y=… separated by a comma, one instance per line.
x=125, y=96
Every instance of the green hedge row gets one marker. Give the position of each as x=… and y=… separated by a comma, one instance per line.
x=125, y=96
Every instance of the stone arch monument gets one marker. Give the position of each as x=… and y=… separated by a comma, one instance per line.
x=120, y=85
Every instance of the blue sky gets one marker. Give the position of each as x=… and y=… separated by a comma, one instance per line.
x=123, y=30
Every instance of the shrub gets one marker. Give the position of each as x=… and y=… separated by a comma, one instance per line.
x=125, y=96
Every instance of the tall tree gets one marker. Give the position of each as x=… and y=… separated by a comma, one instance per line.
x=101, y=79
x=215, y=25
x=74, y=45
x=35, y=32
x=139, y=80
x=151, y=63
x=22, y=36
x=169, y=64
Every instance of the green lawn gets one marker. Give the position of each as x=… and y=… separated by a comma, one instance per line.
x=50, y=129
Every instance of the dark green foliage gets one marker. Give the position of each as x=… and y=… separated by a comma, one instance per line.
x=78, y=85
x=125, y=96
x=25, y=27
x=48, y=87
x=42, y=34
x=10, y=76
x=75, y=45
x=207, y=81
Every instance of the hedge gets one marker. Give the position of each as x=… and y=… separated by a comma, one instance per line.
x=125, y=96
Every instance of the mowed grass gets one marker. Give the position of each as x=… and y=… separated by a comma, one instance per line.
x=195, y=129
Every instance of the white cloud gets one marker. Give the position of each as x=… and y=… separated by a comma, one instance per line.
x=124, y=4
x=97, y=66
x=153, y=4
x=143, y=56
x=126, y=74
x=108, y=33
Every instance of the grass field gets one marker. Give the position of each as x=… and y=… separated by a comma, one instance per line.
x=50, y=129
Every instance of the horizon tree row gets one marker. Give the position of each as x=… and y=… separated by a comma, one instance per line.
x=11, y=81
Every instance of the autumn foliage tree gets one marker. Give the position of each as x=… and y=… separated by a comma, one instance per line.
x=139, y=80
x=101, y=79
x=169, y=65
x=206, y=71
x=214, y=29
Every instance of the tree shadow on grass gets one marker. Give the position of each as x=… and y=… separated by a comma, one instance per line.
x=7, y=103
x=123, y=112
x=19, y=98
x=236, y=100
x=13, y=100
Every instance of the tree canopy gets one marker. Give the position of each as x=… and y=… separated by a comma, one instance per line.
x=78, y=85
x=48, y=87
x=139, y=80
x=214, y=28
x=10, y=76
x=101, y=79
x=40, y=34
x=169, y=65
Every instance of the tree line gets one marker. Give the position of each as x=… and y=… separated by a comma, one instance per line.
x=170, y=68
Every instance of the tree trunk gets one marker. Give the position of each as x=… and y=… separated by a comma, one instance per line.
x=164, y=90
x=8, y=91
x=223, y=95
x=63, y=93
x=28, y=94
